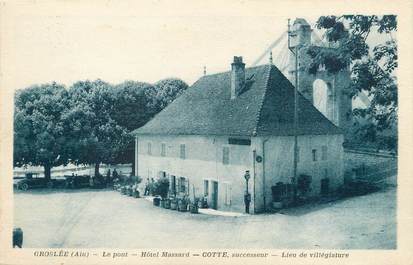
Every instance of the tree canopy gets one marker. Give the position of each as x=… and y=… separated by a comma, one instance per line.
x=166, y=91
x=372, y=61
x=89, y=123
x=40, y=137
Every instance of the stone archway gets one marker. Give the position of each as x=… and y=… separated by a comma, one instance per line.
x=320, y=96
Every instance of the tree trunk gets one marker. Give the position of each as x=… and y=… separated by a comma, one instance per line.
x=97, y=169
x=47, y=171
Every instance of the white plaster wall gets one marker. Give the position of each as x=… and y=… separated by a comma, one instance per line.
x=203, y=161
x=278, y=161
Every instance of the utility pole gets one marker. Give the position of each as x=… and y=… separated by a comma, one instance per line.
x=294, y=51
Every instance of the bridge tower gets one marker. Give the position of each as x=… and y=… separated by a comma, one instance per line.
x=326, y=91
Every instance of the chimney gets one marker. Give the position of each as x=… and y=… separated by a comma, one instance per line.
x=237, y=76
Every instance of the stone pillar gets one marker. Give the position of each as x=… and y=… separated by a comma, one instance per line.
x=300, y=38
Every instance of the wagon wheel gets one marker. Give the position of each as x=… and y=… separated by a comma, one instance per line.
x=24, y=186
x=50, y=184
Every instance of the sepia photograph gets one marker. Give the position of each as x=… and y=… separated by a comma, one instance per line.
x=156, y=128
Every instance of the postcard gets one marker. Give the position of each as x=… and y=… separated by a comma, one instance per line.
x=200, y=132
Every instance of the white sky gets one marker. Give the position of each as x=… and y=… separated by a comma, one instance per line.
x=116, y=42
x=68, y=41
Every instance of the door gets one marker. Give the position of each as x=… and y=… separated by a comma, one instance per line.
x=324, y=186
x=206, y=188
x=214, y=195
x=172, y=186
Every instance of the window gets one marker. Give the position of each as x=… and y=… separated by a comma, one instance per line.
x=324, y=152
x=206, y=187
x=182, y=184
x=298, y=154
x=149, y=148
x=227, y=195
x=314, y=151
x=163, y=149
x=225, y=155
x=182, y=153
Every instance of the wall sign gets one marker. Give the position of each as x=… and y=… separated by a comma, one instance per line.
x=258, y=159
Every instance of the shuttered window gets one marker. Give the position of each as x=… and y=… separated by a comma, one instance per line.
x=227, y=193
x=206, y=187
x=149, y=148
x=182, y=184
x=163, y=149
x=324, y=153
x=182, y=153
x=298, y=154
x=225, y=155
x=314, y=153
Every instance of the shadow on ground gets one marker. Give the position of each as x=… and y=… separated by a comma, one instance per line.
x=44, y=191
x=323, y=203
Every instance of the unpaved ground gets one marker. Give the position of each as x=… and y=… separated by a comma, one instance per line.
x=90, y=218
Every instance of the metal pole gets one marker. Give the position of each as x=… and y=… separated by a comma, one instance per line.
x=295, y=121
x=295, y=151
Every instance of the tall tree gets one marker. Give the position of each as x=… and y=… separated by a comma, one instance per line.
x=132, y=109
x=94, y=134
x=39, y=135
x=372, y=68
x=165, y=91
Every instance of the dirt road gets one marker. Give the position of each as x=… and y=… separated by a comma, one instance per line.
x=90, y=218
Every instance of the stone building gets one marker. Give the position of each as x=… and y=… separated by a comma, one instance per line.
x=325, y=90
x=242, y=120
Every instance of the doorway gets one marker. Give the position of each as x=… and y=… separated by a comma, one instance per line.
x=214, y=195
x=325, y=183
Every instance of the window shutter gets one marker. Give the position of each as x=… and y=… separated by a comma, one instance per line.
x=324, y=153
x=225, y=155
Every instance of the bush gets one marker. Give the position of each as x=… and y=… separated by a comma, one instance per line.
x=136, y=179
x=162, y=187
x=358, y=187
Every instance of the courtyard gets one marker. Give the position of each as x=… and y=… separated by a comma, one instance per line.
x=104, y=218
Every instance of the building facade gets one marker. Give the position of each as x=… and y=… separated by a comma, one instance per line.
x=230, y=123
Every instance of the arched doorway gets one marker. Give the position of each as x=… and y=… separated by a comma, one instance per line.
x=320, y=96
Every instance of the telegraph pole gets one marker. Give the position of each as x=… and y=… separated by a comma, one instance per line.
x=294, y=51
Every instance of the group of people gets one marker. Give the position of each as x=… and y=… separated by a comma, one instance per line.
x=108, y=179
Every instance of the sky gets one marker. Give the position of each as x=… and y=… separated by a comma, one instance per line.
x=67, y=41
x=117, y=43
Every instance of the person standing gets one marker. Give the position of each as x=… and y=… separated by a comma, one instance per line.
x=115, y=174
x=247, y=201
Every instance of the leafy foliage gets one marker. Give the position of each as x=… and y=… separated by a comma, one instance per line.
x=40, y=137
x=88, y=124
x=94, y=134
x=132, y=109
x=162, y=187
x=372, y=69
x=166, y=91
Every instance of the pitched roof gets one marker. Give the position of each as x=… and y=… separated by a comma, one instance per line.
x=265, y=107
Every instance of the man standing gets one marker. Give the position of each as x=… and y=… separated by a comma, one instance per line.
x=247, y=201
